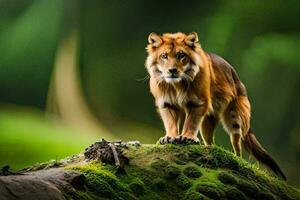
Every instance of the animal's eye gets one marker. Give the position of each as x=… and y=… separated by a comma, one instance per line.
x=180, y=55
x=164, y=56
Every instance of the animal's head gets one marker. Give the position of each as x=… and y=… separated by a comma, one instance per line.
x=173, y=58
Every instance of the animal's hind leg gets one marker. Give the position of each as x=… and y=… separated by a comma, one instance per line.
x=208, y=126
x=232, y=123
x=236, y=144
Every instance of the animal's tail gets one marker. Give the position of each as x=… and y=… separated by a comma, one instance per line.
x=252, y=145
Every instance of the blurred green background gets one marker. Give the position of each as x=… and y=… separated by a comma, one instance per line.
x=72, y=72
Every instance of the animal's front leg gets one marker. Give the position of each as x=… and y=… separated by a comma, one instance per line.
x=192, y=124
x=170, y=117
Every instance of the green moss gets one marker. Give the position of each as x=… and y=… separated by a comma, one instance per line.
x=192, y=172
x=171, y=171
x=101, y=187
x=96, y=172
x=45, y=165
x=195, y=196
x=181, y=159
x=183, y=182
x=159, y=164
x=178, y=171
x=210, y=190
x=126, y=196
x=235, y=194
x=227, y=178
x=159, y=184
x=249, y=189
x=137, y=187
x=266, y=196
x=101, y=181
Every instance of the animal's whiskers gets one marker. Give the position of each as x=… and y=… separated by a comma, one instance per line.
x=143, y=79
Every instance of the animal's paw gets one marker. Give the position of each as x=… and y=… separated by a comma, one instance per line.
x=166, y=140
x=181, y=139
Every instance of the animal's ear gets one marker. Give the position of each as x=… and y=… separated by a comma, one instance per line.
x=154, y=39
x=191, y=39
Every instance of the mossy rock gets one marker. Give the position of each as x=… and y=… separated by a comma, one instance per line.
x=137, y=187
x=211, y=191
x=171, y=172
x=159, y=164
x=189, y=172
x=195, y=196
x=227, y=178
x=235, y=194
x=192, y=172
x=196, y=172
x=248, y=188
x=183, y=182
x=181, y=159
x=159, y=184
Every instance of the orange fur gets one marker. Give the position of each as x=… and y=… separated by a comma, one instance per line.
x=202, y=88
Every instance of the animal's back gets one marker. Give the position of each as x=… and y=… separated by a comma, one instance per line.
x=226, y=85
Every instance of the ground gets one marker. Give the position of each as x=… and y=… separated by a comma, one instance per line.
x=163, y=172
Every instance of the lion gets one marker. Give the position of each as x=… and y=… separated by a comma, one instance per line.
x=196, y=90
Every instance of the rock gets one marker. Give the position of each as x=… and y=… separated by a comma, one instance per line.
x=27, y=188
x=154, y=172
x=43, y=184
x=77, y=180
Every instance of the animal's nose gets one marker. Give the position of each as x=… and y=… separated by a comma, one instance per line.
x=173, y=70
